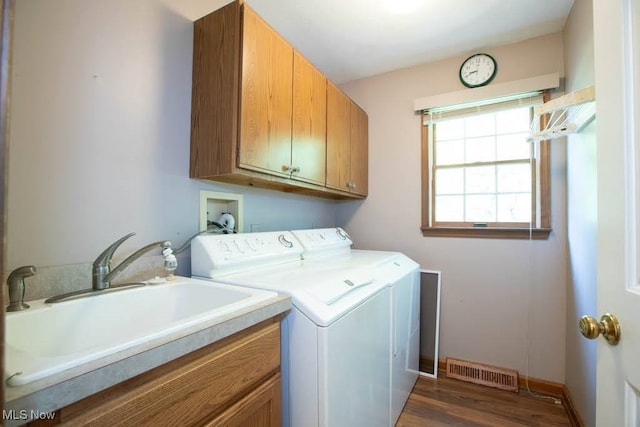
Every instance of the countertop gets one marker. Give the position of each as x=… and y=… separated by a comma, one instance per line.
x=54, y=392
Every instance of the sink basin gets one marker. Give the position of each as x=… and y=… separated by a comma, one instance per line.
x=47, y=339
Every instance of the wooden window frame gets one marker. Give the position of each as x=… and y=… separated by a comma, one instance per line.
x=497, y=230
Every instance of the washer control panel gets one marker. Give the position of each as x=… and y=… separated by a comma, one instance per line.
x=214, y=254
x=315, y=241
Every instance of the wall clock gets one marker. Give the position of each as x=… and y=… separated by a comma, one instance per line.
x=478, y=70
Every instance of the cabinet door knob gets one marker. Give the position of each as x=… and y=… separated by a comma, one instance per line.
x=286, y=168
x=295, y=169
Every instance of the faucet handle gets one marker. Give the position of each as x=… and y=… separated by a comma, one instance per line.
x=105, y=257
x=101, y=268
x=15, y=281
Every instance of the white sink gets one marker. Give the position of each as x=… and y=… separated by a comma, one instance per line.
x=47, y=339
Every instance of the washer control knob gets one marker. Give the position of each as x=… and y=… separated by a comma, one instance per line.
x=342, y=234
x=284, y=241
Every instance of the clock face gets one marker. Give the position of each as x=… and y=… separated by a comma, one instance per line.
x=478, y=70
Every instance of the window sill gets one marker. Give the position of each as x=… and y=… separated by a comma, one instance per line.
x=488, y=232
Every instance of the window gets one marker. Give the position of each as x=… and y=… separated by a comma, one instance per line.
x=481, y=175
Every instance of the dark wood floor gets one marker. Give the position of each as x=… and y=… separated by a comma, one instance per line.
x=449, y=402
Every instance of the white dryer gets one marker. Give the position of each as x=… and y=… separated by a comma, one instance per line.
x=402, y=275
x=337, y=341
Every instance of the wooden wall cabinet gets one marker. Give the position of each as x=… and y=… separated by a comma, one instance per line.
x=347, y=143
x=266, y=98
x=259, y=108
x=309, y=135
x=233, y=382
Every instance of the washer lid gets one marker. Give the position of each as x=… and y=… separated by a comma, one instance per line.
x=327, y=297
x=319, y=290
x=328, y=291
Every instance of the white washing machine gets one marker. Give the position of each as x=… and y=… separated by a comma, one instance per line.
x=338, y=347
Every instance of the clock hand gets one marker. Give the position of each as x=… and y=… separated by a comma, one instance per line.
x=471, y=72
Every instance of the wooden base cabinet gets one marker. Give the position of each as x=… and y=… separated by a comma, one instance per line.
x=259, y=108
x=234, y=382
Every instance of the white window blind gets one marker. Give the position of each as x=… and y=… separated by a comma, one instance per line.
x=434, y=115
x=482, y=167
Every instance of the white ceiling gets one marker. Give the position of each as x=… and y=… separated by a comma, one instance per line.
x=352, y=39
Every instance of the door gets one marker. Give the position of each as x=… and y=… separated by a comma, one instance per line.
x=359, y=155
x=309, y=132
x=354, y=385
x=405, y=339
x=617, y=56
x=266, y=99
x=347, y=143
x=338, y=139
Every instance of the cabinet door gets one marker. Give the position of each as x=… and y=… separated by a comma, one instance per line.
x=309, y=139
x=266, y=97
x=338, y=139
x=214, y=104
x=262, y=407
x=359, y=150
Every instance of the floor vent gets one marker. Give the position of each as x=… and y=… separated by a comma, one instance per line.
x=477, y=373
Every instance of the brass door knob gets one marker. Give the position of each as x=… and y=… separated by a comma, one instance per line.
x=608, y=326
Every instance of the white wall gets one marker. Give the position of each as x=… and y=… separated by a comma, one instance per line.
x=100, y=125
x=582, y=217
x=99, y=147
x=503, y=301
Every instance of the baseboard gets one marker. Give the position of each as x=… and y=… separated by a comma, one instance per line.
x=536, y=385
x=442, y=365
x=574, y=417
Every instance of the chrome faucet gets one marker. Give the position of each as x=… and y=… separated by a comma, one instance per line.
x=102, y=274
x=16, y=287
x=219, y=228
